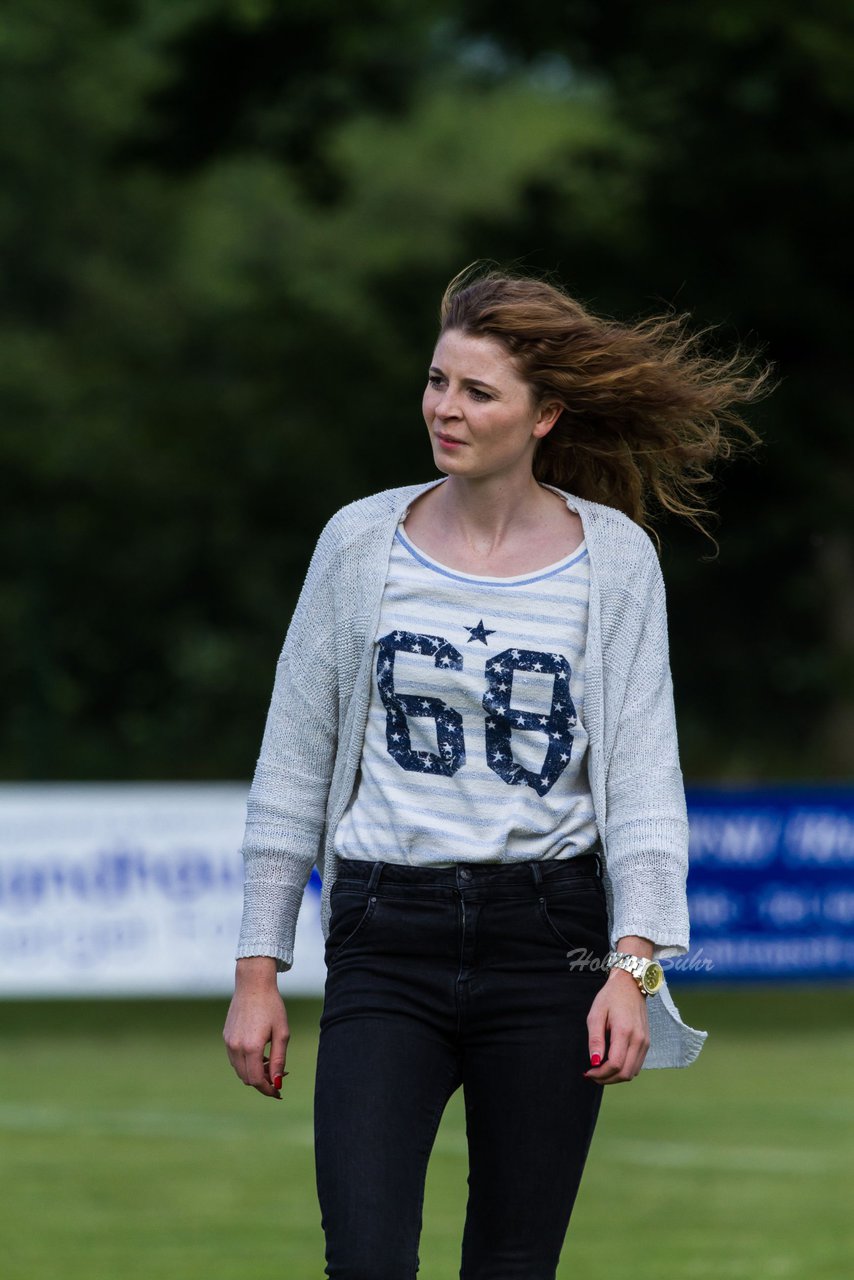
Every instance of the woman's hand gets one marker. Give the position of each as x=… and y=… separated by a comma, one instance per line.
x=257, y=1017
x=620, y=1010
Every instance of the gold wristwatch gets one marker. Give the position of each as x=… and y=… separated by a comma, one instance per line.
x=648, y=974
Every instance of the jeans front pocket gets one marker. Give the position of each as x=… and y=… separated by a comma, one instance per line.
x=351, y=909
x=575, y=913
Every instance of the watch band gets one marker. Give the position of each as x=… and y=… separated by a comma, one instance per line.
x=648, y=974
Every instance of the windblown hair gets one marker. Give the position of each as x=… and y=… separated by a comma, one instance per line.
x=645, y=411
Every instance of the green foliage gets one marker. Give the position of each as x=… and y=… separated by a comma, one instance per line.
x=742, y=204
x=227, y=226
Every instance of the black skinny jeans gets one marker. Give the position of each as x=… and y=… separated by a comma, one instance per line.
x=440, y=977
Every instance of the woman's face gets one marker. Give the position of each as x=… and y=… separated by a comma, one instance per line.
x=479, y=411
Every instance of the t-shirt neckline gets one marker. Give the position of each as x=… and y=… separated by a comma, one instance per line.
x=532, y=575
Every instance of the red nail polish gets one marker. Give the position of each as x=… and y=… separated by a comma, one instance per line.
x=595, y=1059
x=277, y=1083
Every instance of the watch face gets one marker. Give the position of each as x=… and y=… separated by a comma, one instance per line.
x=653, y=977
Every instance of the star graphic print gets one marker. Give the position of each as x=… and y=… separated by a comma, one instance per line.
x=500, y=719
x=480, y=632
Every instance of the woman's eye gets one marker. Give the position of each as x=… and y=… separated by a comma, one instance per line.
x=435, y=381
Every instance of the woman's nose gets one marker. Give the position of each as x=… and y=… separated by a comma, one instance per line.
x=446, y=405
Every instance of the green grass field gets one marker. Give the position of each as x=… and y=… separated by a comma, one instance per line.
x=130, y=1150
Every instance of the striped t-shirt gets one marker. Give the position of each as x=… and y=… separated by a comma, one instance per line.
x=475, y=748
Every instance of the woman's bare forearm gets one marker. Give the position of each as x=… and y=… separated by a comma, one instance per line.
x=255, y=973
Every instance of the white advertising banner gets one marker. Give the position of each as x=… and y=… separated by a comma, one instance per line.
x=130, y=889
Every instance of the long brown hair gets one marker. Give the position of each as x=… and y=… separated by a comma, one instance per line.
x=645, y=412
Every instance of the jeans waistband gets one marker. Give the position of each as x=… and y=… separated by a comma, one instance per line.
x=473, y=874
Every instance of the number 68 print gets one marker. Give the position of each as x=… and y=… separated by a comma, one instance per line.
x=501, y=718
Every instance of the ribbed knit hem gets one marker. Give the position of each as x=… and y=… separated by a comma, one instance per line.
x=269, y=922
x=284, y=958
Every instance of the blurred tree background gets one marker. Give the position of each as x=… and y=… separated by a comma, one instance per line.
x=226, y=226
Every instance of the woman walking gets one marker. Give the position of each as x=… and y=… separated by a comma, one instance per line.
x=472, y=734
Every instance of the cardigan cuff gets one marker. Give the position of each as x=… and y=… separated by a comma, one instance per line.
x=269, y=922
x=646, y=906
x=284, y=959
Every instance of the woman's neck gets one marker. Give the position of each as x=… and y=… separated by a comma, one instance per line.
x=486, y=514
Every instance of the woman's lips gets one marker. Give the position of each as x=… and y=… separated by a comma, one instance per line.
x=448, y=443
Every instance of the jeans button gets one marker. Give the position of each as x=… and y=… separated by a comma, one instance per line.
x=465, y=873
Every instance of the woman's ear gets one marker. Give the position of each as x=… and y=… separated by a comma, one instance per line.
x=547, y=416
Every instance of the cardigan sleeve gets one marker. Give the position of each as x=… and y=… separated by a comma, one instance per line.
x=647, y=819
x=286, y=806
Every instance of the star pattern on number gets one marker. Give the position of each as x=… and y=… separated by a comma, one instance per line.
x=503, y=716
x=401, y=707
x=480, y=632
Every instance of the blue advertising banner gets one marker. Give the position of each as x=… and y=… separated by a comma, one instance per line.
x=136, y=889
x=771, y=884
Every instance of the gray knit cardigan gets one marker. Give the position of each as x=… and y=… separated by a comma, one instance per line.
x=312, y=742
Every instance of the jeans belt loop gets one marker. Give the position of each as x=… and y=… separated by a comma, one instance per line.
x=537, y=872
x=374, y=877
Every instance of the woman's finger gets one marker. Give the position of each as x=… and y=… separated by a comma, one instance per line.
x=625, y=1058
x=613, y=1064
x=278, y=1052
x=275, y=1076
